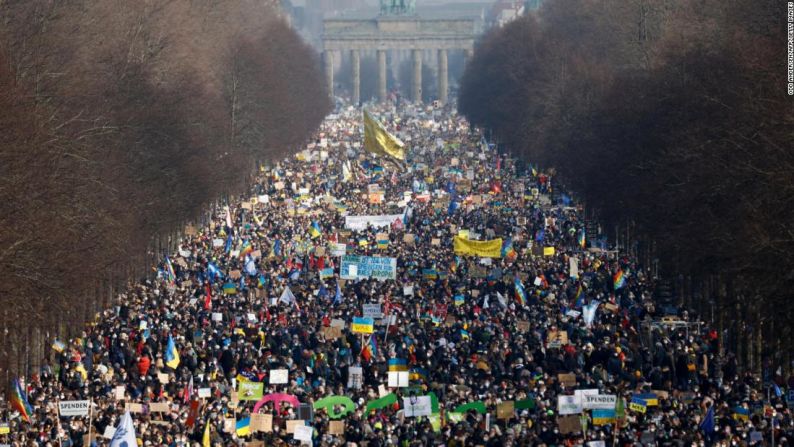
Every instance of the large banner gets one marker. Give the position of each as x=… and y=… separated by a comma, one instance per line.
x=359, y=223
x=354, y=267
x=485, y=249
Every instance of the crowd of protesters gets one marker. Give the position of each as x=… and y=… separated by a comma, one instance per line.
x=457, y=320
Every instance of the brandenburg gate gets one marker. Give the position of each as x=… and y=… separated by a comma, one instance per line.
x=397, y=27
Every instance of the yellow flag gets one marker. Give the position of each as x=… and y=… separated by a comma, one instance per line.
x=205, y=441
x=379, y=141
x=485, y=249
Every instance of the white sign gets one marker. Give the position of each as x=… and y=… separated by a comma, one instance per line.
x=372, y=311
x=303, y=433
x=279, y=376
x=398, y=379
x=338, y=249
x=109, y=432
x=408, y=290
x=596, y=444
x=217, y=243
x=355, y=377
x=360, y=223
x=591, y=392
x=73, y=408
x=417, y=406
x=599, y=401
x=204, y=392
x=569, y=405
x=377, y=267
x=217, y=316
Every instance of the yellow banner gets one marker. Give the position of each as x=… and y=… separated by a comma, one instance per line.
x=485, y=249
x=379, y=141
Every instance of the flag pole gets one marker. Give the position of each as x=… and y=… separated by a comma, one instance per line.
x=90, y=420
x=771, y=415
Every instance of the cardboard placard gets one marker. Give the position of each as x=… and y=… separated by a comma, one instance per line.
x=569, y=424
x=336, y=427
x=162, y=378
x=409, y=239
x=261, y=422
x=228, y=425
x=569, y=380
x=435, y=241
x=558, y=338
x=292, y=424
x=522, y=325
x=505, y=410
x=118, y=392
x=332, y=333
x=235, y=274
x=159, y=407
x=133, y=407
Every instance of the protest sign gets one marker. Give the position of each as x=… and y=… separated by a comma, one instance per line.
x=569, y=405
x=569, y=424
x=599, y=401
x=247, y=390
x=569, y=379
x=355, y=377
x=371, y=310
x=303, y=433
x=417, y=406
x=68, y=408
x=505, y=410
x=279, y=376
x=354, y=267
x=261, y=422
x=336, y=427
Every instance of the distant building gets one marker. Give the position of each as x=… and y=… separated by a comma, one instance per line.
x=505, y=11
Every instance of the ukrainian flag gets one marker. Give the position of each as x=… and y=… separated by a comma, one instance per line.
x=581, y=239
x=314, y=230
x=459, y=300
x=243, y=427
x=171, y=354
x=464, y=334
x=418, y=373
x=741, y=414
x=398, y=365
x=229, y=288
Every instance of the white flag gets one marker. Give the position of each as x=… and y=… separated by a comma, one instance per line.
x=588, y=313
x=501, y=299
x=485, y=304
x=287, y=297
x=125, y=433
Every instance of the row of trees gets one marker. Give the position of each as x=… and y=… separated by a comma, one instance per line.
x=119, y=123
x=672, y=121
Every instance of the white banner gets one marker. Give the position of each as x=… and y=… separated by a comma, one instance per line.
x=73, y=407
x=359, y=223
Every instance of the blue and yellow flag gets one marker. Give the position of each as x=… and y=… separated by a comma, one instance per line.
x=314, y=230
x=398, y=365
x=379, y=141
x=243, y=427
x=171, y=354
